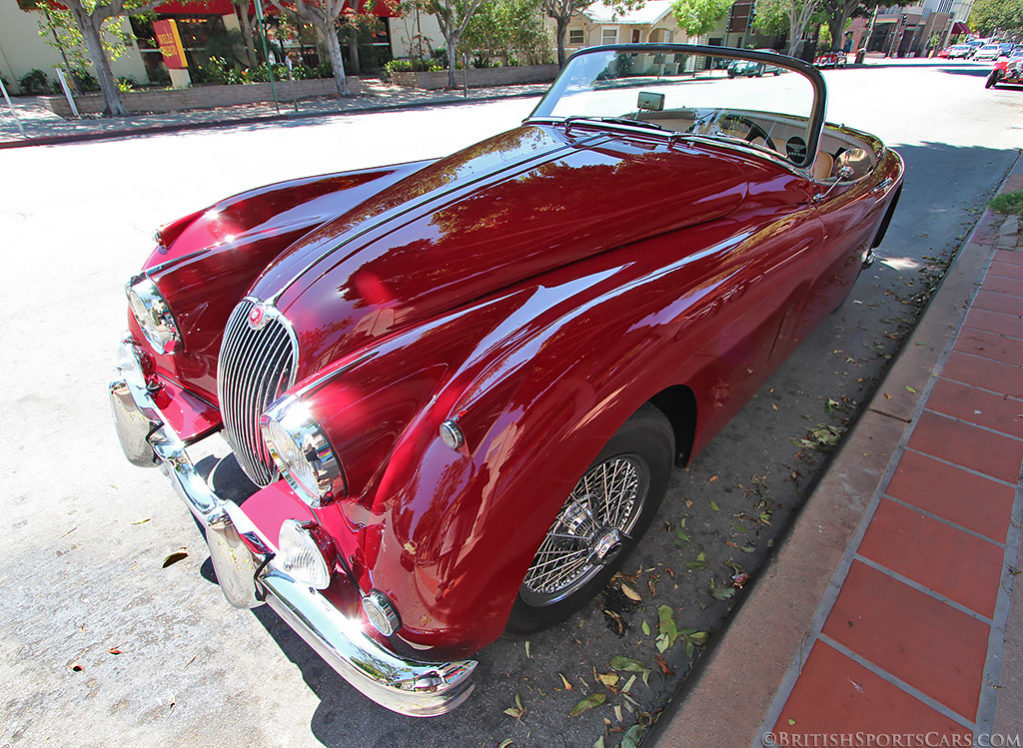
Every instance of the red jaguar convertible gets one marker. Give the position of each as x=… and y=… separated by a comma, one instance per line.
x=448, y=395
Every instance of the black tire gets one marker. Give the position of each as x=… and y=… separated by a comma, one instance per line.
x=992, y=80
x=640, y=454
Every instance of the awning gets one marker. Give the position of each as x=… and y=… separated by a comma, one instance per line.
x=960, y=28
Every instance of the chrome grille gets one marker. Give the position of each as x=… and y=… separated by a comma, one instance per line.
x=256, y=366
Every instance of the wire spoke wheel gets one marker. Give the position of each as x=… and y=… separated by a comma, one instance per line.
x=598, y=525
x=589, y=531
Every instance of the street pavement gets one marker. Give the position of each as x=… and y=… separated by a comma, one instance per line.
x=103, y=644
x=41, y=126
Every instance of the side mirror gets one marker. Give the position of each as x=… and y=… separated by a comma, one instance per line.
x=845, y=173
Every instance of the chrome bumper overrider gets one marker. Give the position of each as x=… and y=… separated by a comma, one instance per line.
x=418, y=689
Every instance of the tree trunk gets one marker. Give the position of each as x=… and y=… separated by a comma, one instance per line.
x=353, y=51
x=250, y=44
x=94, y=46
x=451, y=42
x=334, y=51
x=836, y=25
x=562, y=22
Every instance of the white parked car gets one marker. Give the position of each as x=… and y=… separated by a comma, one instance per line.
x=988, y=52
x=958, y=50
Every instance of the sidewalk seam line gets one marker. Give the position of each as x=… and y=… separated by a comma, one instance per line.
x=919, y=587
x=961, y=467
x=943, y=520
x=985, y=358
x=978, y=387
x=964, y=422
x=893, y=680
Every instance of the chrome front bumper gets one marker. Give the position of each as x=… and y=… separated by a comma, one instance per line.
x=418, y=689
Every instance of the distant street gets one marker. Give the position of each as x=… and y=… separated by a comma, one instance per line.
x=100, y=644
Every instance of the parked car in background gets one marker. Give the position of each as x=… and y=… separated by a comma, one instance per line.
x=1006, y=71
x=452, y=391
x=961, y=51
x=832, y=59
x=753, y=69
x=987, y=52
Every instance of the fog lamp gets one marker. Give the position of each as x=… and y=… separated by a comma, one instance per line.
x=381, y=612
x=299, y=556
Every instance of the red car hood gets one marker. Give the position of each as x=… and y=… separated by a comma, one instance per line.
x=510, y=208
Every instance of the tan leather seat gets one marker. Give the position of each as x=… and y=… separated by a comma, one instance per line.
x=822, y=166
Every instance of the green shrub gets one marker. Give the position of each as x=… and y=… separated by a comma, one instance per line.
x=34, y=82
x=125, y=84
x=85, y=82
x=1009, y=202
x=398, y=66
x=408, y=66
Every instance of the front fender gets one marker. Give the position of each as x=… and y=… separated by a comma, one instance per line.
x=206, y=261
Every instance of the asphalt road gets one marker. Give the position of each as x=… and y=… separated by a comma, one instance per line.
x=101, y=644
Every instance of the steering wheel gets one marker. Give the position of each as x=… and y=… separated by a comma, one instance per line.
x=753, y=130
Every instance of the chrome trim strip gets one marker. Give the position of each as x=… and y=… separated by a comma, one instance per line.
x=410, y=687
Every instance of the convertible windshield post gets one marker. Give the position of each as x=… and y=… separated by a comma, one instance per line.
x=758, y=99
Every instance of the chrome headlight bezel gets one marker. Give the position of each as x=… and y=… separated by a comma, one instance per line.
x=153, y=314
x=302, y=452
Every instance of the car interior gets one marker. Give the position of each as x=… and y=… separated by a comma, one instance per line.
x=782, y=134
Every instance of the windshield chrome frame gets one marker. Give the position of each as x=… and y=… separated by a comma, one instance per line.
x=815, y=123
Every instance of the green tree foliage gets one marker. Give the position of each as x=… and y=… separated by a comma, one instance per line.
x=562, y=12
x=58, y=28
x=993, y=16
x=512, y=31
x=787, y=16
x=92, y=19
x=453, y=17
x=836, y=14
x=322, y=15
x=700, y=16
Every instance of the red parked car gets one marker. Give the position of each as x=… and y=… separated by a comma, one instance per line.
x=457, y=388
x=833, y=59
x=1006, y=71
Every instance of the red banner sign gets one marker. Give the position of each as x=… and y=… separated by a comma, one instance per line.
x=170, y=44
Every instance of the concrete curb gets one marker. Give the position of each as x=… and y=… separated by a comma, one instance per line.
x=727, y=700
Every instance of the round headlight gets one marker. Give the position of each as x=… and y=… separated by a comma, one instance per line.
x=302, y=453
x=153, y=314
x=299, y=556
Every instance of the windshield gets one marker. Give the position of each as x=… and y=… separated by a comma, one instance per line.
x=756, y=99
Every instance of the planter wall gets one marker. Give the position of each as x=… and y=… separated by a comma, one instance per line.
x=476, y=77
x=203, y=97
